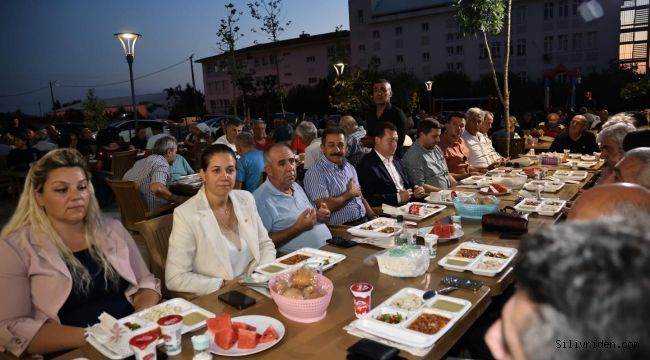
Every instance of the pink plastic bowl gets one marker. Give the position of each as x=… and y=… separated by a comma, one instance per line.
x=304, y=311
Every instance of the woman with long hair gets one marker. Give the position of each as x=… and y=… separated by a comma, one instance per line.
x=217, y=234
x=62, y=265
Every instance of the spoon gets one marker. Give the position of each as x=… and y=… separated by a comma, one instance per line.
x=431, y=293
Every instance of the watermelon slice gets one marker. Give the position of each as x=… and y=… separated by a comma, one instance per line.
x=247, y=339
x=220, y=322
x=269, y=335
x=240, y=325
x=225, y=338
x=443, y=231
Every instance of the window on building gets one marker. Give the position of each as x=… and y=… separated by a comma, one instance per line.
x=424, y=27
x=563, y=8
x=375, y=34
x=313, y=80
x=495, y=48
x=288, y=74
x=256, y=62
x=331, y=51
x=450, y=50
x=213, y=106
x=362, y=48
x=459, y=49
x=563, y=42
x=426, y=56
x=576, y=41
x=521, y=47
x=548, y=44
x=360, y=16
x=272, y=60
x=482, y=52
x=398, y=30
x=449, y=37
x=459, y=66
x=458, y=35
x=400, y=59
x=548, y=10
x=574, y=7
x=311, y=59
x=450, y=67
x=375, y=60
x=520, y=15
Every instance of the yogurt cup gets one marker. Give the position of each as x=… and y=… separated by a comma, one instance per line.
x=170, y=328
x=361, y=296
x=144, y=345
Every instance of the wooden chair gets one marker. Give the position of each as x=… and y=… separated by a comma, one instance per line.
x=122, y=162
x=132, y=206
x=156, y=233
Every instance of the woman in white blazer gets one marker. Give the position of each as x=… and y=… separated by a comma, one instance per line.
x=217, y=234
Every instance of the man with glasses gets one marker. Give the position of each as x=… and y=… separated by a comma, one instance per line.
x=288, y=215
x=333, y=181
x=384, y=111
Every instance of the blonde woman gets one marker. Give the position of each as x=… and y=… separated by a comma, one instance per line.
x=61, y=265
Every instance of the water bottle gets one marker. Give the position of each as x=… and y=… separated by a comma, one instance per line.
x=400, y=232
x=200, y=344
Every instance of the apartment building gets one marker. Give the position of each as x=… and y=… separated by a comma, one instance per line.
x=634, y=41
x=304, y=60
x=422, y=36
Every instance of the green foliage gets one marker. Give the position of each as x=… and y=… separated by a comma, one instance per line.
x=95, y=111
x=183, y=102
x=271, y=17
x=477, y=16
x=636, y=89
x=228, y=33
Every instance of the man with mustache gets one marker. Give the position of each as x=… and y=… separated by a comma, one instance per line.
x=333, y=181
x=285, y=210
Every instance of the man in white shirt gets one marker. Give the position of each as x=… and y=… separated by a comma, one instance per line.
x=481, y=153
x=233, y=127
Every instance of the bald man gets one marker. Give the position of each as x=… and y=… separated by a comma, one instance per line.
x=628, y=200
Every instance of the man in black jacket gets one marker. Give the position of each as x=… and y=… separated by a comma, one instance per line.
x=383, y=177
x=577, y=139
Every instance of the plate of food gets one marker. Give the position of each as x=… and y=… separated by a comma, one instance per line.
x=243, y=335
x=409, y=320
x=495, y=189
x=546, y=207
x=445, y=232
x=570, y=174
x=480, y=259
x=320, y=258
x=473, y=180
x=419, y=211
x=546, y=185
x=379, y=227
x=446, y=197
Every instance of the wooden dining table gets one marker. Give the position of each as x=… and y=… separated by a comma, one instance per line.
x=327, y=338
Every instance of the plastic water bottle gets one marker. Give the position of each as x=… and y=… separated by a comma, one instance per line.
x=400, y=234
x=200, y=344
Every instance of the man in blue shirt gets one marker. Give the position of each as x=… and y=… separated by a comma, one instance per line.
x=333, y=181
x=285, y=210
x=250, y=163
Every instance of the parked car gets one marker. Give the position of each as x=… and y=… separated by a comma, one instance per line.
x=126, y=128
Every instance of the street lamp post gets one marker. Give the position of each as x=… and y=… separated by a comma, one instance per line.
x=127, y=40
x=428, y=84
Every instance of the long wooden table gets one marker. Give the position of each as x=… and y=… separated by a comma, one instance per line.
x=327, y=338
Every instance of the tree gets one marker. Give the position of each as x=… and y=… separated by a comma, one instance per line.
x=95, y=111
x=486, y=16
x=228, y=35
x=182, y=101
x=269, y=13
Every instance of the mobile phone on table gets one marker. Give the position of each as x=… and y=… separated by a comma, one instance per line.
x=237, y=299
x=339, y=241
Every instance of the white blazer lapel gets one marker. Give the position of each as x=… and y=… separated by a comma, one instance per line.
x=246, y=225
x=210, y=238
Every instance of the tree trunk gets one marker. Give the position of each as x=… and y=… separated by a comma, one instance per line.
x=234, y=75
x=506, y=90
x=277, y=75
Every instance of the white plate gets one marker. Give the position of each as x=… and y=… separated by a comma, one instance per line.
x=473, y=180
x=545, y=207
x=570, y=175
x=549, y=186
x=428, y=209
x=587, y=158
x=473, y=264
x=458, y=232
x=261, y=323
x=485, y=191
x=377, y=224
x=444, y=196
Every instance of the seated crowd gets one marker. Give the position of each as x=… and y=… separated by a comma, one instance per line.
x=66, y=264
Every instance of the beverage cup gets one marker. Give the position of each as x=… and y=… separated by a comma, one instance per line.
x=144, y=345
x=431, y=243
x=361, y=293
x=170, y=327
x=455, y=219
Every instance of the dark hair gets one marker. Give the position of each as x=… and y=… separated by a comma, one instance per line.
x=381, y=81
x=425, y=126
x=66, y=139
x=331, y=130
x=593, y=276
x=22, y=135
x=380, y=131
x=636, y=139
x=233, y=122
x=457, y=114
x=211, y=150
